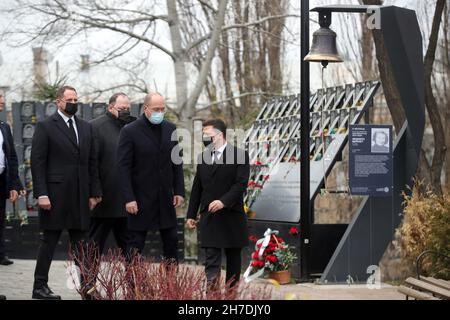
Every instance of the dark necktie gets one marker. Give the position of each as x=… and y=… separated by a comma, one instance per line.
x=216, y=157
x=72, y=130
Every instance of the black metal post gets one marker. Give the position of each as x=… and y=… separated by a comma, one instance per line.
x=305, y=199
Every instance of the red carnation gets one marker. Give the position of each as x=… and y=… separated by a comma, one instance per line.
x=251, y=184
x=293, y=231
x=253, y=238
x=255, y=256
x=271, y=258
x=258, y=163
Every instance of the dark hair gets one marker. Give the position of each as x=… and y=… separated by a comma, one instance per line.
x=114, y=97
x=60, y=92
x=217, y=124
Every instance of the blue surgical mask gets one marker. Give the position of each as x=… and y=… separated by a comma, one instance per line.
x=156, y=117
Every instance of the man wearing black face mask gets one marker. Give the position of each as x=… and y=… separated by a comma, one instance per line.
x=217, y=194
x=110, y=214
x=64, y=181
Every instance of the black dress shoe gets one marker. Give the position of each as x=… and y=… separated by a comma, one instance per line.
x=2, y=297
x=5, y=261
x=45, y=293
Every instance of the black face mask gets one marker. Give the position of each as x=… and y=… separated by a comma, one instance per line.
x=207, y=141
x=125, y=117
x=71, y=108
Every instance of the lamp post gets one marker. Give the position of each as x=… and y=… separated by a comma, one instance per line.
x=305, y=198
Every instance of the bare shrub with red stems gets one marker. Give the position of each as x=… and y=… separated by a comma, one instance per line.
x=112, y=277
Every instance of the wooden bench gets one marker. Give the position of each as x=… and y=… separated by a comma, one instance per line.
x=418, y=295
x=437, y=282
x=426, y=288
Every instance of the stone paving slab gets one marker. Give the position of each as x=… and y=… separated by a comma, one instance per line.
x=16, y=280
x=16, y=283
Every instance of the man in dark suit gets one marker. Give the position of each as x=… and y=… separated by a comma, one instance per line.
x=64, y=181
x=110, y=214
x=217, y=193
x=151, y=175
x=10, y=185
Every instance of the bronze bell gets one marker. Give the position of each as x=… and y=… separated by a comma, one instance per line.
x=324, y=47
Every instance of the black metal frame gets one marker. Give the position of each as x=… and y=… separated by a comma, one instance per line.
x=367, y=237
x=421, y=256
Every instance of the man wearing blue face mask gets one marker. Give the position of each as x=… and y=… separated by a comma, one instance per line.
x=152, y=183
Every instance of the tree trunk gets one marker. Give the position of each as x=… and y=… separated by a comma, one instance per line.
x=275, y=44
x=179, y=54
x=446, y=91
x=430, y=100
x=188, y=111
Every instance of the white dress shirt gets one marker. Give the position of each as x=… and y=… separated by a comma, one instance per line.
x=66, y=119
x=2, y=154
x=218, y=153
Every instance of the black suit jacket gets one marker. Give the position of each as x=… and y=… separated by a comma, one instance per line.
x=106, y=136
x=11, y=175
x=148, y=175
x=65, y=172
x=227, y=182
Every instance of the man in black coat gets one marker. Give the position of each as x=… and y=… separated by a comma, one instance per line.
x=217, y=193
x=10, y=185
x=110, y=214
x=151, y=175
x=64, y=181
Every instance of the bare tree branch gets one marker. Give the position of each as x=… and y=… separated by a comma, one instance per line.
x=235, y=26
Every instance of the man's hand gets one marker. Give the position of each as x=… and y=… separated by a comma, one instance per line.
x=13, y=195
x=178, y=201
x=44, y=203
x=191, y=224
x=93, y=203
x=132, y=207
x=215, y=206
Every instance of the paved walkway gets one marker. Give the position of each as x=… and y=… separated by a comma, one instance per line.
x=16, y=280
x=16, y=283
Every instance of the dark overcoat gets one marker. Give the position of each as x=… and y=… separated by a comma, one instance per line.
x=106, y=136
x=11, y=176
x=227, y=181
x=65, y=172
x=149, y=175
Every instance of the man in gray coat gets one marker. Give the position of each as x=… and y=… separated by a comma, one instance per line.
x=110, y=214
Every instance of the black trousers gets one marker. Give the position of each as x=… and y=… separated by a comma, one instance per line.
x=213, y=263
x=168, y=237
x=2, y=214
x=100, y=229
x=2, y=228
x=49, y=240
